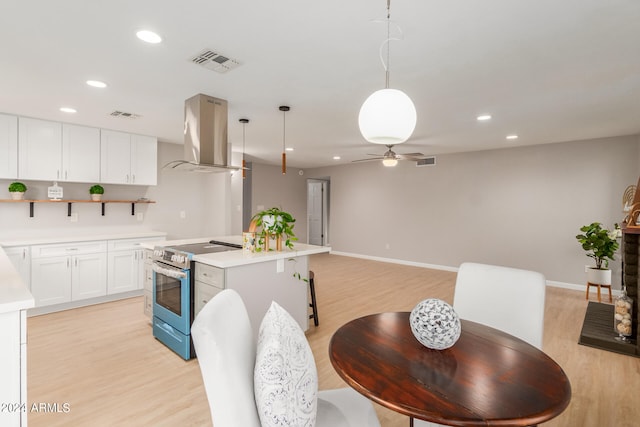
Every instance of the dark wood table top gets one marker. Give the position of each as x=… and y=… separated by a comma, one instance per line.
x=487, y=378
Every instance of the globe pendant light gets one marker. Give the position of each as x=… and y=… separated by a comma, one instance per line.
x=284, y=110
x=244, y=164
x=388, y=116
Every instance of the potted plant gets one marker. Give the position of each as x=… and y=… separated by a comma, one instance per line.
x=601, y=245
x=17, y=190
x=96, y=192
x=274, y=223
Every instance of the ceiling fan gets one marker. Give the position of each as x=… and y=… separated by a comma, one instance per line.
x=390, y=157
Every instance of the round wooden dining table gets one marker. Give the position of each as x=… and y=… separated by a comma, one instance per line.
x=487, y=378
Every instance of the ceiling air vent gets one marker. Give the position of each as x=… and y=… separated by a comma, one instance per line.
x=124, y=115
x=427, y=161
x=214, y=61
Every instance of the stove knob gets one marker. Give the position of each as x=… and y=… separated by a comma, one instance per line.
x=181, y=259
x=174, y=257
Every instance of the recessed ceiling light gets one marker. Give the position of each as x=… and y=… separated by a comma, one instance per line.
x=149, y=36
x=288, y=149
x=96, y=83
x=512, y=136
x=336, y=157
x=483, y=117
x=68, y=110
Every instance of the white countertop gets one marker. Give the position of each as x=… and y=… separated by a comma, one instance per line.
x=14, y=294
x=83, y=235
x=238, y=257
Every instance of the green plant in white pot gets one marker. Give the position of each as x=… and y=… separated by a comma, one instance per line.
x=96, y=192
x=17, y=190
x=601, y=245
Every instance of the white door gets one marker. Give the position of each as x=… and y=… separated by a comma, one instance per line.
x=39, y=149
x=317, y=211
x=89, y=278
x=8, y=146
x=80, y=153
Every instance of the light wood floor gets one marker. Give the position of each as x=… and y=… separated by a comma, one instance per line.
x=104, y=363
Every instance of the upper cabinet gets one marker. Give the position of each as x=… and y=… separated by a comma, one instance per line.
x=127, y=158
x=54, y=151
x=80, y=153
x=8, y=146
x=39, y=149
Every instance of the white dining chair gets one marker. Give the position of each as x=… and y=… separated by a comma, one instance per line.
x=508, y=299
x=226, y=351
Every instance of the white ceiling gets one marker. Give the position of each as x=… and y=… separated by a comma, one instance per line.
x=547, y=70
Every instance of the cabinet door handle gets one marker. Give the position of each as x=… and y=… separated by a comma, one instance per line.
x=75, y=261
x=65, y=174
x=68, y=265
x=133, y=178
x=127, y=178
x=24, y=254
x=58, y=174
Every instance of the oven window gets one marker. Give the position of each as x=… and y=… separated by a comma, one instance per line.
x=168, y=293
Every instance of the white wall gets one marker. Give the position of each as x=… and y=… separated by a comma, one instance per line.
x=520, y=207
x=205, y=199
x=270, y=188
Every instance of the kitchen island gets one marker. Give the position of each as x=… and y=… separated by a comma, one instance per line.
x=259, y=277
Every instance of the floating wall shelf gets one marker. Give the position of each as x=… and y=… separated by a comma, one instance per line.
x=70, y=202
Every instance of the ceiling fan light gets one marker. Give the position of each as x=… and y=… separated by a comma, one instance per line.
x=388, y=117
x=389, y=162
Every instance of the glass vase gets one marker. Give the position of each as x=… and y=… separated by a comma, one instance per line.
x=622, y=315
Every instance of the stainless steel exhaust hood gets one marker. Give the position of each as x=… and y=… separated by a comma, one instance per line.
x=205, y=136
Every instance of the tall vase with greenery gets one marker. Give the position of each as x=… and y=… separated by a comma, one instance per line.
x=601, y=245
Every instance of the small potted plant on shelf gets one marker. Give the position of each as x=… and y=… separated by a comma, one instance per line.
x=17, y=190
x=96, y=192
x=274, y=223
x=601, y=245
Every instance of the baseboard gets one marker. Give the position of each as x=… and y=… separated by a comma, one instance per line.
x=551, y=283
x=37, y=311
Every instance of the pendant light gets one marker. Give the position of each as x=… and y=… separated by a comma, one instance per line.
x=284, y=110
x=388, y=116
x=244, y=164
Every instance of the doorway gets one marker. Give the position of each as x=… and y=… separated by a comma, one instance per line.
x=318, y=212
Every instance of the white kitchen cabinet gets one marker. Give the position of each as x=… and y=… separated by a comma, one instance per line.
x=128, y=158
x=126, y=261
x=208, y=282
x=54, y=151
x=88, y=276
x=8, y=146
x=80, y=153
x=20, y=257
x=62, y=273
x=39, y=149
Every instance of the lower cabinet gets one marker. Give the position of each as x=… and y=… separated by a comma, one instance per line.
x=20, y=257
x=126, y=265
x=68, y=272
x=208, y=282
x=62, y=273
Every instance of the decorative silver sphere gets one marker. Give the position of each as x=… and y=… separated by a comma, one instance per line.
x=435, y=324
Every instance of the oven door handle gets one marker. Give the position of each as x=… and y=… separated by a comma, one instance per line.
x=169, y=272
